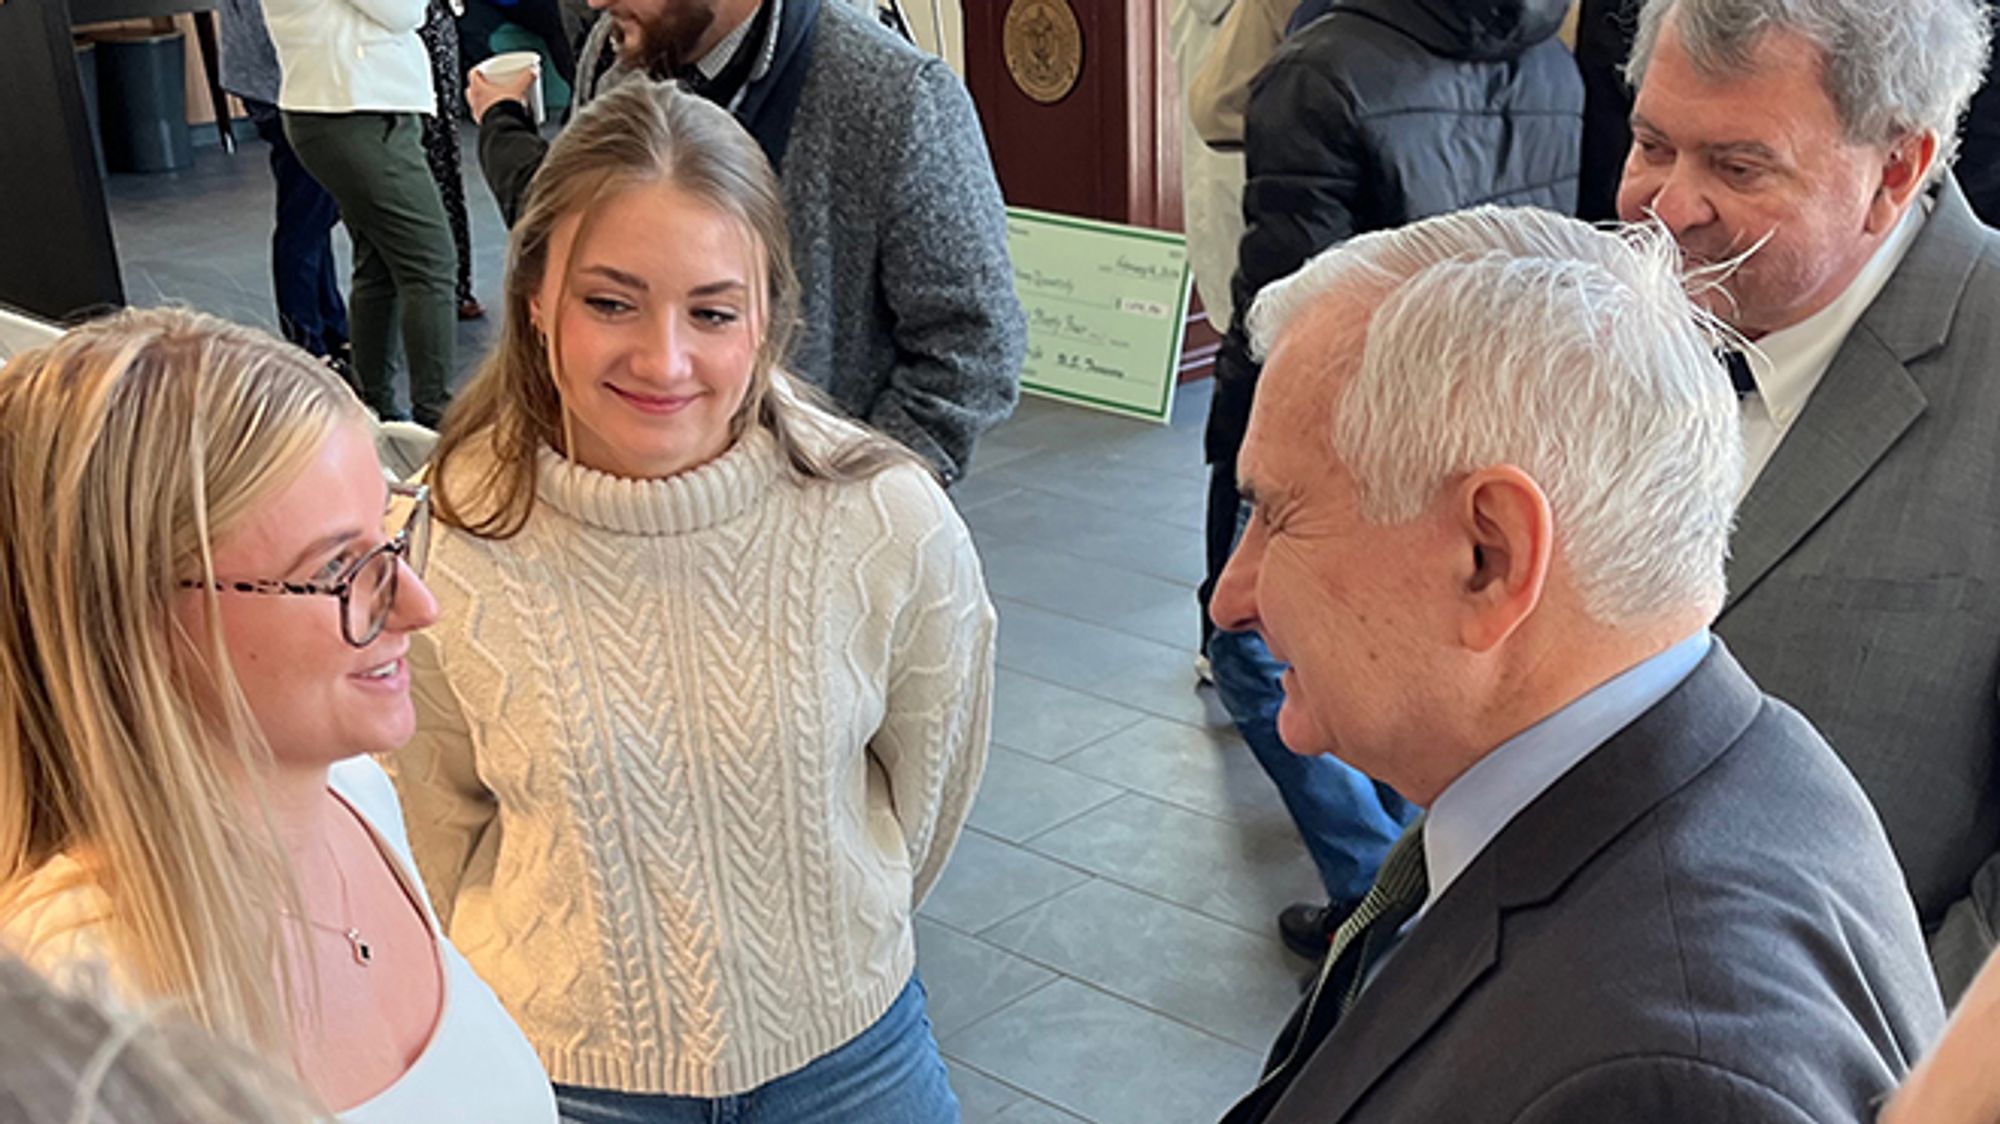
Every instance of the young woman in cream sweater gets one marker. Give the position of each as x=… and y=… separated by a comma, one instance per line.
x=709, y=699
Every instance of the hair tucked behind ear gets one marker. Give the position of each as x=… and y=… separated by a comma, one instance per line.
x=638, y=133
x=127, y=448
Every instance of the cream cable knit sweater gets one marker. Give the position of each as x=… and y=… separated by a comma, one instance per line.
x=690, y=751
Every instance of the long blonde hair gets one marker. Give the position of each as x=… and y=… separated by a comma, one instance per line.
x=127, y=448
x=634, y=134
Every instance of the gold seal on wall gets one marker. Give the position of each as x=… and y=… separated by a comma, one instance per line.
x=1044, y=48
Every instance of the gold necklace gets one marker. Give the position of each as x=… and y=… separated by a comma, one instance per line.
x=364, y=953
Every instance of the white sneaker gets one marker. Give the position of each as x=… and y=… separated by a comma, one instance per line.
x=1204, y=675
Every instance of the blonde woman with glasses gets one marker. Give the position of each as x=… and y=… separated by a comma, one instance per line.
x=206, y=594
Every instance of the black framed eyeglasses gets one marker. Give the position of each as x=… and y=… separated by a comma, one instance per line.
x=367, y=589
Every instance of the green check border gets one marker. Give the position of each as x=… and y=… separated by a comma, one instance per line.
x=1163, y=412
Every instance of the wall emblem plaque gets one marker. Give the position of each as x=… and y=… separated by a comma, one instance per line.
x=1044, y=48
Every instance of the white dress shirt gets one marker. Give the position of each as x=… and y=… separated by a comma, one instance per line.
x=1787, y=364
x=718, y=58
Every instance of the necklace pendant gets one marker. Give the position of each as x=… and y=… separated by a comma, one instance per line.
x=363, y=955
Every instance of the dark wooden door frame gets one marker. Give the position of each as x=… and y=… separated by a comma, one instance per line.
x=1108, y=150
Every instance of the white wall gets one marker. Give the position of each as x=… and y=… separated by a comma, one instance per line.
x=19, y=332
x=923, y=16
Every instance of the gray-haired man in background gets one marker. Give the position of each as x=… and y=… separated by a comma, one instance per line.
x=1864, y=578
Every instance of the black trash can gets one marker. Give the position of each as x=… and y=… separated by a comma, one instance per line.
x=141, y=85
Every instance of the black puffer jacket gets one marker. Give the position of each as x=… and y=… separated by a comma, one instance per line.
x=1382, y=112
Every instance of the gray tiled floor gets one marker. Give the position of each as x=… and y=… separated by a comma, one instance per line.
x=1101, y=947
x=201, y=238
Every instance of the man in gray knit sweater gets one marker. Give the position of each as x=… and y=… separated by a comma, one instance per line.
x=898, y=230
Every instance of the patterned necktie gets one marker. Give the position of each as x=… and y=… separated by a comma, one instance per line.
x=1739, y=373
x=1368, y=933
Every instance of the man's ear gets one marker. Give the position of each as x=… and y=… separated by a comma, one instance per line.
x=1507, y=536
x=1905, y=166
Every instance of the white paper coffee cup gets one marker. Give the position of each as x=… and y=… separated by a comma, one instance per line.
x=504, y=66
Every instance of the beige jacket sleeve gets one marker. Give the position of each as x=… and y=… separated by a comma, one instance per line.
x=1219, y=92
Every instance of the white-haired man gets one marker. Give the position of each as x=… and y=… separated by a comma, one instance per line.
x=1493, y=466
x=1864, y=582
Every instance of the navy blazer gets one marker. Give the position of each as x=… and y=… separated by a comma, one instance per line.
x=1701, y=921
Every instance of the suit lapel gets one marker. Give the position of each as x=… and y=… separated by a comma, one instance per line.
x=1866, y=400
x=1860, y=408
x=1560, y=832
x=1456, y=943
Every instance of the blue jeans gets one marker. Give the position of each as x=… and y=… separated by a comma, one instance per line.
x=1347, y=820
x=888, y=1074
x=310, y=310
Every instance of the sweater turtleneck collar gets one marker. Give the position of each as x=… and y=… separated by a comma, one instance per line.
x=695, y=500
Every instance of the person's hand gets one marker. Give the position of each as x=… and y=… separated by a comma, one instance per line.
x=482, y=92
x=1957, y=1083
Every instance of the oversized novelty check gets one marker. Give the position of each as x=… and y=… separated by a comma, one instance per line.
x=1106, y=307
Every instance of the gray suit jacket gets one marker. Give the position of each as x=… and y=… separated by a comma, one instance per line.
x=1701, y=921
x=1865, y=583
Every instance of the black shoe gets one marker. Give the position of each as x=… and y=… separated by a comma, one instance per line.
x=1308, y=929
x=341, y=359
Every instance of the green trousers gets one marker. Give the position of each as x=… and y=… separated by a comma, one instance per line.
x=373, y=166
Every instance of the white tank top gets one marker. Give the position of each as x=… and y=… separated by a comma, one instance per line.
x=477, y=1065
